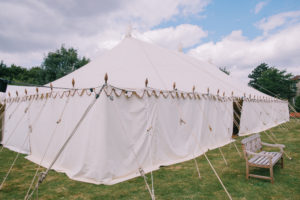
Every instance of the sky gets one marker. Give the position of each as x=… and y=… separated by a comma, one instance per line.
x=235, y=34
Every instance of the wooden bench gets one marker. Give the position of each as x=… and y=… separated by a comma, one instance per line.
x=255, y=157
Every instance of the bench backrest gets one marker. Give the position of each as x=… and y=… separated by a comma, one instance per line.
x=252, y=143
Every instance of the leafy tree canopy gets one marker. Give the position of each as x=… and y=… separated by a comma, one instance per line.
x=55, y=65
x=62, y=62
x=273, y=81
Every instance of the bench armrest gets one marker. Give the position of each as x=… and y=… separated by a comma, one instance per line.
x=280, y=146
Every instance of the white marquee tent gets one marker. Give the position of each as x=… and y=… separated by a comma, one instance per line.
x=184, y=110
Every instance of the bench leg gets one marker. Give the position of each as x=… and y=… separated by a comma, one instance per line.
x=271, y=174
x=282, y=162
x=247, y=171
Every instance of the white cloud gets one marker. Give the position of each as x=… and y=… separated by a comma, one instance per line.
x=275, y=21
x=241, y=55
x=37, y=27
x=186, y=35
x=260, y=6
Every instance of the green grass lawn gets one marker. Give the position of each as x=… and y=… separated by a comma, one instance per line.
x=178, y=181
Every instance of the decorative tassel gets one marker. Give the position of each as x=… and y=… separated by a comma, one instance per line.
x=73, y=82
x=106, y=78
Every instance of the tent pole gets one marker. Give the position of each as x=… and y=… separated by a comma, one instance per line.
x=229, y=196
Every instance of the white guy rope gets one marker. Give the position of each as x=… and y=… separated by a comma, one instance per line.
x=197, y=168
x=16, y=126
x=46, y=149
x=44, y=174
x=27, y=137
x=223, y=155
x=229, y=196
x=276, y=143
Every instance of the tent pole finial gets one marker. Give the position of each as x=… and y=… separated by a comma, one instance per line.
x=25, y=92
x=218, y=92
x=174, y=86
x=51, y=86
x=208, y=90
x=106, y=78
x=73, y=82
x=194, y=88
x=17, y=93
x=37, y=90
x=146, y=82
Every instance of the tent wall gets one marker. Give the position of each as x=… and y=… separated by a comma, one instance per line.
x=125, y=133
x=258, y=116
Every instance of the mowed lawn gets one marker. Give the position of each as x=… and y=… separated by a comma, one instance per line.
x=178, y=181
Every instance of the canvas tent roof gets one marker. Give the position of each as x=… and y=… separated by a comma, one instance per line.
x=132, y=61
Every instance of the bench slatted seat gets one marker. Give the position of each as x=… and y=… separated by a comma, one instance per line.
x=255, y=157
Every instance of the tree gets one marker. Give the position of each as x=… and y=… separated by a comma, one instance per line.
x=256, y=73
x=225, y=70
x=61, y=62
x=273, y=82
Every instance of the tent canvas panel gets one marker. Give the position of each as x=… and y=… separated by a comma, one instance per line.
x=120, y=136
x=260, y=116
